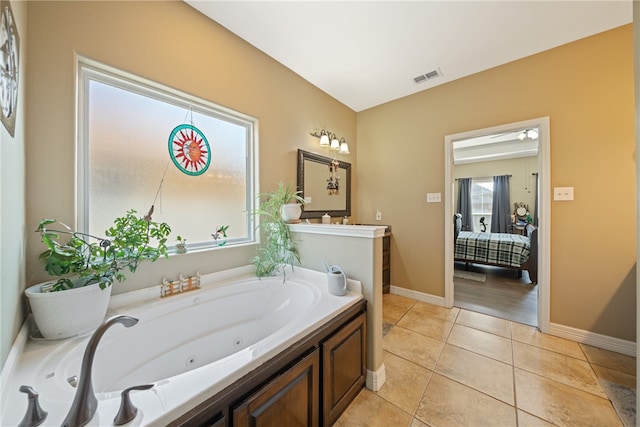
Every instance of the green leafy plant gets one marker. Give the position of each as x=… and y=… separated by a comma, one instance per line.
x=77, y=261
x=277, y=249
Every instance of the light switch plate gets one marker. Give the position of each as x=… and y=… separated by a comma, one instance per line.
x=434, y=197
x=563, y=193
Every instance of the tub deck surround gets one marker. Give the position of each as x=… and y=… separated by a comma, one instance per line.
x=190, y=346
x=358, y=250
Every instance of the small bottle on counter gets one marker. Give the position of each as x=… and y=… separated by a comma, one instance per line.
x=326, y=219
x=345, y=221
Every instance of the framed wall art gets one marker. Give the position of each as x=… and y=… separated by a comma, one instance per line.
x=9, y=62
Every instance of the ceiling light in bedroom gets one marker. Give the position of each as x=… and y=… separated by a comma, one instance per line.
x=528, y=134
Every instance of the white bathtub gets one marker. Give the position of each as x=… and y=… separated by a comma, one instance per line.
x=189, y=346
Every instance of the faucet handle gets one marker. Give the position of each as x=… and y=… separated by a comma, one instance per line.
x=128, y=411
x=35, y=415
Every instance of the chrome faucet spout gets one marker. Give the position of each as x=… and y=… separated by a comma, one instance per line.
x=85, y=403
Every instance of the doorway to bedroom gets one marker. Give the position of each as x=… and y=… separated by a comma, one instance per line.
x=493, y=263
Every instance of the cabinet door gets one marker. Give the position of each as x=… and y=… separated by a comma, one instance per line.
x=343, y=367
x=290, y=400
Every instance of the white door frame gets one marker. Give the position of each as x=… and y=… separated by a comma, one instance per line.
x=544, y=210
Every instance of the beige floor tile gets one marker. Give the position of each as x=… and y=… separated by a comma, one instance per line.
x=476, y=371
x=484, y=323
x=436, y=311
x=370, y=410
x=412, y=346
x=448, y=403
x=528, y=420
x=426, y=325
x=417, y=423
x=560, y=404
x=558, y=367
x=405, y=382
x=395, y=306
x=530, y=335
x=614, y=376
x=610, y=359
x=490, y=345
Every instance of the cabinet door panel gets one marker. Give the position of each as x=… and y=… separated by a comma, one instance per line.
x=344, y=372
x=290, y=400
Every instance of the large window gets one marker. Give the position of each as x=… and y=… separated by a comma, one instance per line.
x=481, y=202
x=127, y=130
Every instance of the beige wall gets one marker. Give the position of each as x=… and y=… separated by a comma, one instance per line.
x=586, y=88
x=12, y=204
x=173, y=44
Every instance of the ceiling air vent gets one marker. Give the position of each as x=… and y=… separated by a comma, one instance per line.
x=427, y=76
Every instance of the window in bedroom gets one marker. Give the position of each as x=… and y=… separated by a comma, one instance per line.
x=124, y=161
x=481, y=202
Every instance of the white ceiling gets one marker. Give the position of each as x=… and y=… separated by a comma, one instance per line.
x=366, y=53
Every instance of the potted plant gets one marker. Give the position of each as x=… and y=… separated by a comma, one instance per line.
x=86, y=266
x=278, y=248
x=181, y=246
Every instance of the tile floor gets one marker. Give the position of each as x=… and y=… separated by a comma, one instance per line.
x=454, y=367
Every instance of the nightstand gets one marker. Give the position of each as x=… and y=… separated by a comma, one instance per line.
x=518, y=229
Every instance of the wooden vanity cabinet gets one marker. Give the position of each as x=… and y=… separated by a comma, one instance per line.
x=343, y=368
x=309, y=384
x=290, y=400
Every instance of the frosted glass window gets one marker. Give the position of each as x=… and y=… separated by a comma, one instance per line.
x=125, y=163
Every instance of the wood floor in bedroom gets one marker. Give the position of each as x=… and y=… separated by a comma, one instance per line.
x=501, y=294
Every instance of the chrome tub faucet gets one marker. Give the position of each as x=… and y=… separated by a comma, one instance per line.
x=85, y=403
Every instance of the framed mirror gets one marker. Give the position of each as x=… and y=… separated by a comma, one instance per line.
x=325, y=184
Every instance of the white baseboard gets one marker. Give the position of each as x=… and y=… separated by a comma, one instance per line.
x=591, y=338
x=578, y=335
x=420, y=296
x=376, y=379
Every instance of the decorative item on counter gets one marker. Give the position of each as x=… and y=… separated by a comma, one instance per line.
x=326, y=219
x=336, y=279
x=184, y=284
x=181, y=246
x=345, y=221
x=221, y=235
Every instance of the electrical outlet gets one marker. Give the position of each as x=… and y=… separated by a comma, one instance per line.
x=378, y=215
x=563, y=193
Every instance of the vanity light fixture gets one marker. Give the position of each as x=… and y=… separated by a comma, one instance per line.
x=330, y=140
x=528, y=134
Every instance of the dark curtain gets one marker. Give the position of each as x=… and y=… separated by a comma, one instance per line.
x=464, y=203
x=535, y=205
x=501, y=207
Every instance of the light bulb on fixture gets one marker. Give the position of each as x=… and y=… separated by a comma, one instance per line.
x=324, y=138
x=344, y=147
x=335, y=144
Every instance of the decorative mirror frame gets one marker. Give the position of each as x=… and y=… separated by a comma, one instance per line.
x=307, y=156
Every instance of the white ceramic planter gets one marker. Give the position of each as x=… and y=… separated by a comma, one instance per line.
x=68, y=313
x=291, y=212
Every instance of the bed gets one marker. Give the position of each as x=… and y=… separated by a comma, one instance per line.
x=506, y=250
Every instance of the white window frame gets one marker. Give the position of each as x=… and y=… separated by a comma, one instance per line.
x=88, y=69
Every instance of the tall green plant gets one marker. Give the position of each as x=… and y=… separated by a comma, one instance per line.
x=128, y=242
x=277, y=249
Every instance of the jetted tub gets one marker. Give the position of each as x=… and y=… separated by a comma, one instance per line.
x=190, y=346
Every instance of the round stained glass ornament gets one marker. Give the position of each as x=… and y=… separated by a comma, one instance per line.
x=189, y=150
